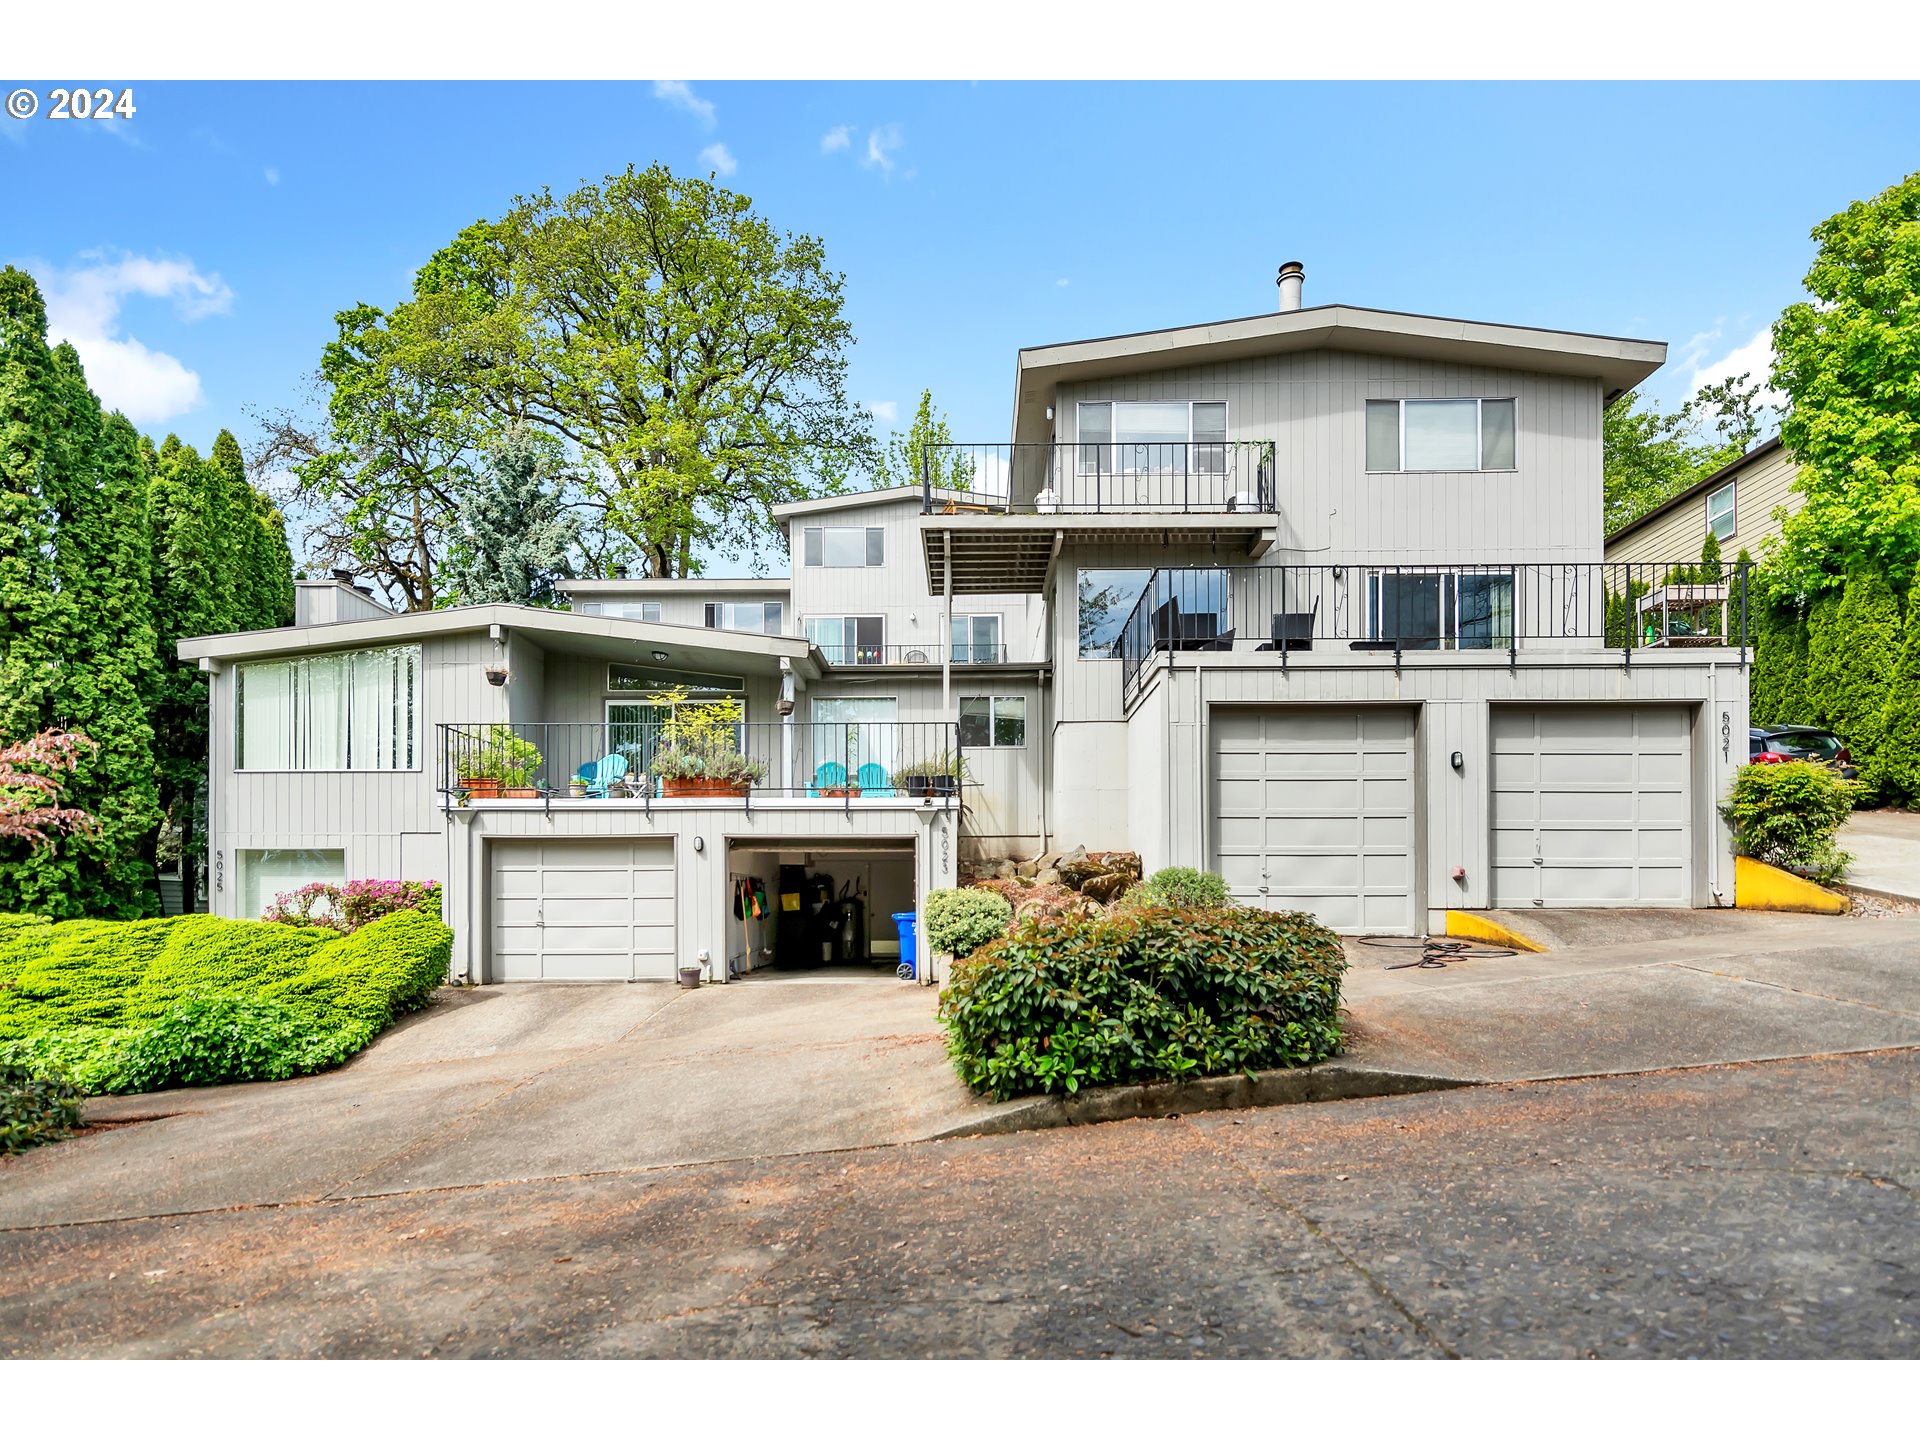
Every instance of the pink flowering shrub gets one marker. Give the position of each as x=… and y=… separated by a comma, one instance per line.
x=358, y=902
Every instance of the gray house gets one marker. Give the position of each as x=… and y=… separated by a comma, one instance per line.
x=1315, y=598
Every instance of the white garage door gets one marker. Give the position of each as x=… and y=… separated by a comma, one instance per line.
x=1591, y=805
x=583, y=910
x=1314, y=811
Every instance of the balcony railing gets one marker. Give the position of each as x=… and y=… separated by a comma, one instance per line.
x=1124, y=478
x=1289, y=610
x=929, y=654
x=850, y=761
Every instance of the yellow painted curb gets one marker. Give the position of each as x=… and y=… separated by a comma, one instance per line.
x=1759, y=886
x=1466, y=925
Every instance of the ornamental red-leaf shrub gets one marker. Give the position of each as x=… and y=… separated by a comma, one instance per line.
x=1146, y=994
x=347, y=907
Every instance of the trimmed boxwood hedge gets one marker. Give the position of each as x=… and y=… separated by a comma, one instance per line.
x=128, y=1006
x=1144, y=994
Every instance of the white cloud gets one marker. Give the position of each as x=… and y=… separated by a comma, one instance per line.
x=1753, y=359
x=679, y=94
x=84, y=304
x=718, y=158
x=881, y=144
x=838, y=138
x=885, y=411
x=1063, y=282
x=273, y=175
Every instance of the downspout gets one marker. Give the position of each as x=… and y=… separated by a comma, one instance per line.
x=946, y=628
x=1713, y=787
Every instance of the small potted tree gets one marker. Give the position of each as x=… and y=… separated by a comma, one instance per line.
x=937, y=777
x=699, y=754
x=476, y=766
x=502, y=765
x=519, y=766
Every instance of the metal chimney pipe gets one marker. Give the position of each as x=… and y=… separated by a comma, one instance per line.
x=1291, y=276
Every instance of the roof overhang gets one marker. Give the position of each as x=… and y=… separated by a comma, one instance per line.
x=601, y=636
x=1618, y=364
x=694, y=587
x=1011, y=554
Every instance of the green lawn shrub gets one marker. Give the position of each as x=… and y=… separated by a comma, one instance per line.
x=128, y=1006
x=1152, y=993
x=1788, y=815
x=1180, y=887
x=34, y=1108
x=961, y=921
x=358, y=902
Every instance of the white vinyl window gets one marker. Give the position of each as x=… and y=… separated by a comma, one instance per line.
x=849, y=639
x=843, y=547
x=976, y=639
x=1720, y=512
x=1135, y=436
x=993, y=722
x=857, y=739
x=753, y=617
x=355, y=710
x=648, y=610
x=265, y=874
x=1440, y=435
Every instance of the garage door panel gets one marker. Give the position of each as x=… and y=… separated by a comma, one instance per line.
x=585, y=910
x=1600, y=795
x=1329, y=827
x=654, y=911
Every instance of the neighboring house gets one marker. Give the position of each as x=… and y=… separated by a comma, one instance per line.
x=1736, y=502
x=1314, y=598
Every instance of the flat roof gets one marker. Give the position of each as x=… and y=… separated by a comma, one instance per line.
x=1617, y=362
x=688, y=585
x=600, y=635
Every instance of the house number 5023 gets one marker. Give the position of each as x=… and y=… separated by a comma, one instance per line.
x=1726, y=736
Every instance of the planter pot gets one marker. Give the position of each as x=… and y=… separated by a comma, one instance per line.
x=920, y=786
x=576, y=790
x=944, y=784
x=521, y=792
x=689, y=789
x=840, y=792
x=689, y=977
x=482, y=787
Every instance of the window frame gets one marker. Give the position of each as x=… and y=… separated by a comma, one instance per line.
x=993, y=719
x=246, y=857
x=1087, y=459
x=1447, y=604
x=773, y=615
x=807, y=547
x=1732, y=514
x=1480, y=403
x=970, y=644
x=879, y=647
x=416, y=742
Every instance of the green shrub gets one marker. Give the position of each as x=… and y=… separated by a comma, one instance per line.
x=1788, y=815
x=34, y=1108
x=133, y=1005
x=961, y=921
x=1180, y=887
x=1146, y=994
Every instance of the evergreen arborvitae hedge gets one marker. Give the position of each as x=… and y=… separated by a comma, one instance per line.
x=1863, y=658
x=1899, y=757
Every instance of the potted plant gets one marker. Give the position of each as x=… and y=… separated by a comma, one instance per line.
x=684, y=771
x=576, y=789
x=475, y=767
x=502, y=764
x=699, y=753
x=936, y=777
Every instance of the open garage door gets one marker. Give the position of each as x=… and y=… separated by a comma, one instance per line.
x=1592, y=805
x=583, y=909
x=1314, y=812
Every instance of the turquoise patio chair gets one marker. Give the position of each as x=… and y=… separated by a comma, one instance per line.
x=610, y=769
x=831, y=775
x=874, y=781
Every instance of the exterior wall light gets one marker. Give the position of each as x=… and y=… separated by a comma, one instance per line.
x=1459, y=761
x=659, y=654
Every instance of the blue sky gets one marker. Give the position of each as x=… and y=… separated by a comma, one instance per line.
x=197, y=252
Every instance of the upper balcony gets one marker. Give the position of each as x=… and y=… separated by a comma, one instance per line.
x=1382, y=614
x=995, y=515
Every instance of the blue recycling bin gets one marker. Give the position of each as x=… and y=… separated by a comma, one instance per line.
x=908, y=924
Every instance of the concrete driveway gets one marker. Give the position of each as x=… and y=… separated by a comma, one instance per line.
x=1886, y=850
x=511, y=1083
